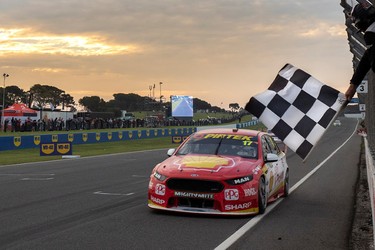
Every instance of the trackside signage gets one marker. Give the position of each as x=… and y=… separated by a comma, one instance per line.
x=56, y=148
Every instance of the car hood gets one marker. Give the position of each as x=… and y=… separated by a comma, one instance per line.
x=207, y=166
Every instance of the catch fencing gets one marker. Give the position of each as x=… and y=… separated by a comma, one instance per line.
x=366, y=100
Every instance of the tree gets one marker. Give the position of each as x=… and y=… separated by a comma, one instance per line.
x=93, y=103
x=45, y=94
x=234, y=107
x=200, y=104
x=67, y=100
x=14, y=94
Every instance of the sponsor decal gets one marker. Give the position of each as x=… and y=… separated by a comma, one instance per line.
x=130, y=134
x=225, y=136
x=63, y=148
x=56, y=148
x=109, y=135
x=70, y=137
x=55, y=138
x=205, y=162
x=193, y=195
x=17, y=141
x=148, y=133
x=157, y=200
x=176, y=139
x=160, y=189
x=37, y=140
x=238, y=206
x=139, y=133
x=120, y=135
x=97, y=136
x=47, y=149
x=150, y=185
x=84, y=137
x=155, y=132
x=163, y=132
x=242, y=180
x=250, y=192
x=231, y=195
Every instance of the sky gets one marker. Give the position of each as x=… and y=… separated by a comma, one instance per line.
x=220, y=51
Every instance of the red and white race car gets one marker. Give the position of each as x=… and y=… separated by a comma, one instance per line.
x=220, y=171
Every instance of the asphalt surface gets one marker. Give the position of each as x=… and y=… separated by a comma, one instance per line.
x=101, y=203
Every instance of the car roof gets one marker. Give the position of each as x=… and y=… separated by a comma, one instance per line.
x=231, y=131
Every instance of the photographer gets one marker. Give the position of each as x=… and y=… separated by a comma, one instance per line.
x=364, y=20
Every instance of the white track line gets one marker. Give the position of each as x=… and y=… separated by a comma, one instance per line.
x=245, y=228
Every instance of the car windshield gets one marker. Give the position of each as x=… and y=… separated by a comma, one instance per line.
x=221, y=144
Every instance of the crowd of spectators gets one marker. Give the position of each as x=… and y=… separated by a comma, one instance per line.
x=80, y=123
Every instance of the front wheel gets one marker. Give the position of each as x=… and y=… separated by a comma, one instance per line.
x=262, y=195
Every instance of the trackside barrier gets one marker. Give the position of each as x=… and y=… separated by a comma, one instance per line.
x=34, y=141
x=371, y=180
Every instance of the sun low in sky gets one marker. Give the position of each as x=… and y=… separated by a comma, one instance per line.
x=221, y=51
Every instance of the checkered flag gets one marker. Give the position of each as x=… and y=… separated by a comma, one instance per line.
x=297, y=108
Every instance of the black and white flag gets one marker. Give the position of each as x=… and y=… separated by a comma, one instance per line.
x=297, y=108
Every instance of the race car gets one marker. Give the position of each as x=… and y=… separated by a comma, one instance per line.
x=220, y=171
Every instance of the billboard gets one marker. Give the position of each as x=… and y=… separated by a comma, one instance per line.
x=182, y=106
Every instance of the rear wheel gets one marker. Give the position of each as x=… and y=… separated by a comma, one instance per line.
x=286, y=184
x=262, y=195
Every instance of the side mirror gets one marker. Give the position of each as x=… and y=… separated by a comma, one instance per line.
x=170, y=151
x=271, y=157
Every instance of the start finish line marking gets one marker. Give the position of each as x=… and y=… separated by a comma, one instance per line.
x=113, y=194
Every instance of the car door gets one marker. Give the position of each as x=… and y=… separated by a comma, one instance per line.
x=278, y=166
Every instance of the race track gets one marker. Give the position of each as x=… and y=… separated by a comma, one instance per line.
x=101, y=203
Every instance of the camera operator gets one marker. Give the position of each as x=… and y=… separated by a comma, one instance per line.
x=364, y=20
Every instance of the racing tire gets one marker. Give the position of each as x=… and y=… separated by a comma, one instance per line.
x=286, y=184
x=262, y=195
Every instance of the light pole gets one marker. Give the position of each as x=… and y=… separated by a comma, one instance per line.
x=160, y=83
x=2, y=112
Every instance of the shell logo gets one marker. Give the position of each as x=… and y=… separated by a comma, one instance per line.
x=109, y=135
x=139, y=133
x=130, y=134
x=84, y=137
x=17, y=141
x=70, y=137
x=205, y=162
x=97, y=136
x=120, y=135
x=55, y=138
x=37, y=140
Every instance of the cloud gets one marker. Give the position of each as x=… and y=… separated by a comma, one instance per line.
x=26, y=41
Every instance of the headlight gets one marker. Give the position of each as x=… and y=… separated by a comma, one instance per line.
x=240, y=180
x=159, y=176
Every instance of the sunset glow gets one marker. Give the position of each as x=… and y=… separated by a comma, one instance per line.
x=24, y=41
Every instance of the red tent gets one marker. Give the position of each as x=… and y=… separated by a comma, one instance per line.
x=19, y=109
